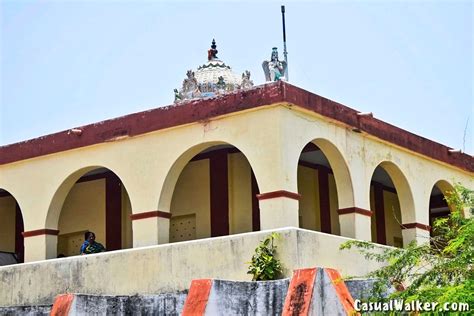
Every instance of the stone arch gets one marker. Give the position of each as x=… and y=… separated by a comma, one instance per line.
x=11, y=226
x=91, y=197
x=194, y=173
x=320, y=159
x=388, y=216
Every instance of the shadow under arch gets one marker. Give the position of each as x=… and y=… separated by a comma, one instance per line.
x=325, y=185
x=206, y=174
x=88, y=198
x=340, y=168
x=392, y=203
x=438, y=206
x=12, y=227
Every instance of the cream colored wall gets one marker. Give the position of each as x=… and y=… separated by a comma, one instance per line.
x=309, y=207
x=172, y=267
x=414, y=175
x=392, y=218
x=373, y=218
x=309, y=211
x=334, y=206
x=7, y=223
x=127, y=232
x=192, y=196
x=240, y=194
x=84, y=210
x=150, y=164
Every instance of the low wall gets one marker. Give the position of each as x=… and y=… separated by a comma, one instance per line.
x=171, y=267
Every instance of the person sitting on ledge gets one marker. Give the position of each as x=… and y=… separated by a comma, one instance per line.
x=90, y=245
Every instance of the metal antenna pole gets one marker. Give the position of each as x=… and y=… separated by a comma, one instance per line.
x=285, y=53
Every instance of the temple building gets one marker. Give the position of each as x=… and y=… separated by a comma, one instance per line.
x=227, y=158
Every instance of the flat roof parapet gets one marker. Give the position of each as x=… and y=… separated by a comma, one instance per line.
x=204, y=109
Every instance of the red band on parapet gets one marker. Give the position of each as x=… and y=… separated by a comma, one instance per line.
x=150, y=214
x=39, y=232
x=197, y=298
x=300, y=291
x=357, y=210
x=343, y=293
x=62, y=304
x=277, y=194
x=416, y=225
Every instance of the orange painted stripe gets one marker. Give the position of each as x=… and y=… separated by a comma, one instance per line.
x=62, y=305
x=196, y=300
x=300, y=292
x=343, y=293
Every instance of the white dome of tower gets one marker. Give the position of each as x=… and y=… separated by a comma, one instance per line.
x=211, y=79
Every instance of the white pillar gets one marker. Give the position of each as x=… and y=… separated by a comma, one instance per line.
x=150, y=228
x=355, y=223
x=278, y=209
x=40, y=244
x=415, y=232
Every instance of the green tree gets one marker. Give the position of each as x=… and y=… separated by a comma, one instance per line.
x=440, y=270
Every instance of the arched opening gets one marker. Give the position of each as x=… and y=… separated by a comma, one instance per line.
x=214, y=195
x=322, y=188
x=97, y=202
x=386, y=218
x=439, y=208
x=11, y=228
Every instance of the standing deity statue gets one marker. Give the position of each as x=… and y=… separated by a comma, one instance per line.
x=177, y=96
x=274, y=69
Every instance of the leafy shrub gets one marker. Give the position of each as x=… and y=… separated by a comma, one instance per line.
x=264, y=266
x=440, y=270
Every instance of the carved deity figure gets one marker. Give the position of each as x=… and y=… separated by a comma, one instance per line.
x=190, y=87
x=274, y=69
x=221, y=85
x=246, y=82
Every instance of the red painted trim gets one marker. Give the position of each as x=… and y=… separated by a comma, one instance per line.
x=278, y=194
x=345, y=297
x=416, y=225
x=350, y=210
x=218, y=172
x=150, y=214
x=113, y=212
x=385, y=188
x=62, y=305
x=255, y=206
x=196, y=301
x=39, y=232
x=438, y=201
x=373, y=126
x=94, y=177
x=207, y=155
x=202, y=110
x=19, y=239
x=324, y=201
x=380, y=214
x=315, y=166
x=300, y=291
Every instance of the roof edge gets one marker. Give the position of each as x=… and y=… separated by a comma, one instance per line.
x=204, y=109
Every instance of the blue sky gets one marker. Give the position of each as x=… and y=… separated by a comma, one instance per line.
x=71, y=63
